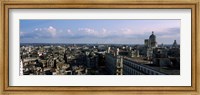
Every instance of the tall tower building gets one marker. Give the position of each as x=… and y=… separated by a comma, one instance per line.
x=150, y=44
x=175, y=45
x=152, y=40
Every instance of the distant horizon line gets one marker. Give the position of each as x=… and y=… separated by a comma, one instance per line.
x=93, y=43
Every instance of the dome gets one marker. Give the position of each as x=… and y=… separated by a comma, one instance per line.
x=174, y=44
x=152, y=36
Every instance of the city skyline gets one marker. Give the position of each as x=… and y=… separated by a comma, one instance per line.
x=98, y=31
x=147, y=59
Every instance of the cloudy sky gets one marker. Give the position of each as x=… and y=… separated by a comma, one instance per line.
x=99, y=31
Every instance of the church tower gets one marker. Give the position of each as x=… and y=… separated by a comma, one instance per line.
x=150, y=44
x=175, y=45
x=152, y=40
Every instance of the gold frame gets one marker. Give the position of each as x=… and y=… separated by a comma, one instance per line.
x=6, y=5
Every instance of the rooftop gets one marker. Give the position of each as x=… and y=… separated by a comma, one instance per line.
x=165, y=70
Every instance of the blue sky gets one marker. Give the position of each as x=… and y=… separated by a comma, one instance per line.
x=99, y=31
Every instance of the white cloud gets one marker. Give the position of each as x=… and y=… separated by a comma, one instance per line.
x=40, y=29
x=126, y=31
x=69, y=31
x=22, y=33
x=36, y=29
x=52, y=31
x=88, y=32
x=102, y=33
x=170, y=36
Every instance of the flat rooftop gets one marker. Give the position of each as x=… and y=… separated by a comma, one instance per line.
x=146, y=63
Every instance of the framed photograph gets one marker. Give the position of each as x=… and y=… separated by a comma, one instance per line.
x=99, y=47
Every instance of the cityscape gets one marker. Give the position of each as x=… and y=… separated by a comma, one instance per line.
x=68, y=52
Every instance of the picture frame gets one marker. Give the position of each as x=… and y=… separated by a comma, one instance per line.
x=90, y=90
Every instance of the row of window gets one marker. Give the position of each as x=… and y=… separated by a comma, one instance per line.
x=110, y=64
x=141, y=68
x=130, y=71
